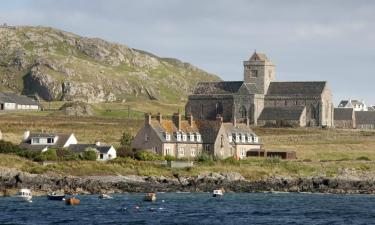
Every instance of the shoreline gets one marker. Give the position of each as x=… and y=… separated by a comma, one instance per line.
x=12, y=180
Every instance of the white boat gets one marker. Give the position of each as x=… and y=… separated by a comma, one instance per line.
x=217, y=193
x=25, y=194
x=105, y=196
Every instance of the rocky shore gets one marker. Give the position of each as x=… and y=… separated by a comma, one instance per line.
x=11, y=180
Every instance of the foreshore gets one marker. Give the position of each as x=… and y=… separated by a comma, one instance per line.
x=11, y=180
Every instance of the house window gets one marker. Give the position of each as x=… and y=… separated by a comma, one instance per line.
x=178, y=137
x=101, y=156
x=243, y=138
x=255, y=139
x=50, y=140
x=146, y=138
x=254, y=73
x=181, y=151
x=167, y=137
x=191, y=137
x=198, y=137
x=184, y=137
x=193, y=152
x=248, y=138
x=168, y=151
x=237, y=138
x=36, y=140
x=222, y=141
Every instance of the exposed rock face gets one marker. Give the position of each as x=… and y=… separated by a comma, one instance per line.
x=58, y=65
x=77, y=109
x=11, y=179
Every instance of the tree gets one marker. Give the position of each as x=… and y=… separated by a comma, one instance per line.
x=89, y=154
x=126, y=139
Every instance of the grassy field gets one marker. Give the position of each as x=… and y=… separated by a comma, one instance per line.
x=319, y=151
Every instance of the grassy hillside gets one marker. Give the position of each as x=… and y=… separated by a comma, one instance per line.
x=58, y=65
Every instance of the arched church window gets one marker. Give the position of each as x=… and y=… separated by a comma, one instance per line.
x=219, y=108
x=242, y=112
x=201, y=111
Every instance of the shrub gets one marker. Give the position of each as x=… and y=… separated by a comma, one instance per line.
x=50, y=155
x=66, y=154
x=89, y=154
x=204, y=157
x=9, y=147
x=125, y=152
x=126, y=139
x=147, y=156
x=363, y=158
x=169, y=158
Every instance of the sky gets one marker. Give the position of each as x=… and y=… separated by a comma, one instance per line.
x=331, y=40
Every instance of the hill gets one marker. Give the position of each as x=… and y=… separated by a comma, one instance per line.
x=57, y=65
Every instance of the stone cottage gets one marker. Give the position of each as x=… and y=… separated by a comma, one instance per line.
x=245, y=100
x=189, y=138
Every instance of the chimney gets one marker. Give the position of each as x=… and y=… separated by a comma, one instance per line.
x=219, y=118
x=26, y=135
x=147, y=118
x=176, y=119
x=159, y=117
x=190, y=119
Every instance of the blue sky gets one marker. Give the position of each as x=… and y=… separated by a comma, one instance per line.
x=307, y=40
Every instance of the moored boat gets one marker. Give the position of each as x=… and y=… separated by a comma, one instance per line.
x=72, y=201
x=217, y=193
x=56, y=196
x=25, y=194
x=105, y=196
x=150, y=197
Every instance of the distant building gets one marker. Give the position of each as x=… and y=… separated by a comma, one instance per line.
x=259, y=91
x=189, y=138
x=357, y=105
x=365, y=120
x=282, y=117
x=345, y=118
x=12, y=101
x=103, y=152
x=43, y=141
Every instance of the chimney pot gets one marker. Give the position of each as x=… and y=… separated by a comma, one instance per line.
x=176, y=119
x=147, y=119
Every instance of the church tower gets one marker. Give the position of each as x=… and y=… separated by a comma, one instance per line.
x=259, y=70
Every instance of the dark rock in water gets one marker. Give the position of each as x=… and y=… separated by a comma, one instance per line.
x=231, y=182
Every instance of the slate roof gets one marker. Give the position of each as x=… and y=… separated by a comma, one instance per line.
x=63, y=138
x=82, y=147
x=365, y=117
x=209, y=130
x=15, y=98
x=299, y=88
x=223, y=87
x=169, y=127
x=343, y=113
x=282, y=113
x=345, y=103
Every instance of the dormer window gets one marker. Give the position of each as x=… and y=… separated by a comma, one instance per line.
x=178, y=136
x=243, y=138
x=255, y=139
x=249, y=138
x=237, y=138
x=198, y=138
x=230, y=138
x=191, y=137
x=184, y=137
x=167, y=136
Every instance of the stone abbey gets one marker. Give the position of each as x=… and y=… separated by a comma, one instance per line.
x=261, y=100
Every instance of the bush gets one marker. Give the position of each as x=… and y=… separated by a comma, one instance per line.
x=169, y=158
x=147, y=156
x=125, y=152
x=89, y=154
x=9, y=147
x=126, y=139
x=65, y=154
x=50, y=155
x=204, y=157
x=363, y=158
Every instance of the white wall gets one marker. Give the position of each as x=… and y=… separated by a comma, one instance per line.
x=71, y=140
x=111, y=151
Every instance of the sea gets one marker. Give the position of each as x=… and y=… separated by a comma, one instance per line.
x=195, y=208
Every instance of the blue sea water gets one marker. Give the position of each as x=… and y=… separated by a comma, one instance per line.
x=195, y=208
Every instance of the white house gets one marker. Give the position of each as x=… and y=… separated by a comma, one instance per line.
x=13, y=101
x=43, y=141
x=103, y=152
x=357, y=105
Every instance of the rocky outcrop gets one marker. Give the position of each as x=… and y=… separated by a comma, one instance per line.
x=57, y=65
x=11, y=179
x=77, y=109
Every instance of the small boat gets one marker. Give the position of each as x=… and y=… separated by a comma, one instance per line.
x=56, y=196
x=25, y=195
x=72, y=201
x=217, y=193
x=150, y=197
x=105, y=196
